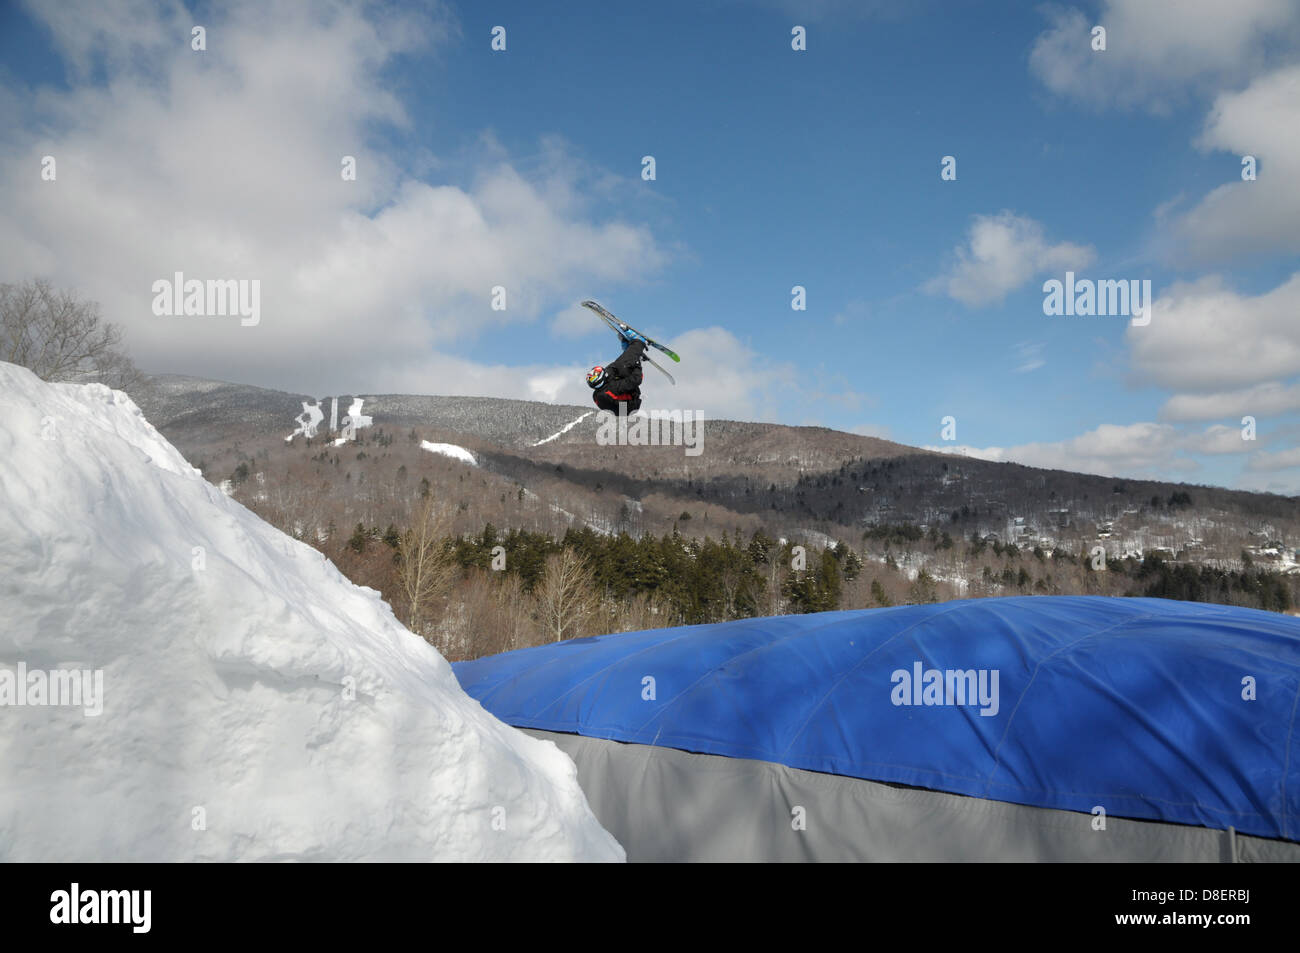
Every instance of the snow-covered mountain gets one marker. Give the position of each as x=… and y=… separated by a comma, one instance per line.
x=195, y=411
x=181, y=681
x=801, y=482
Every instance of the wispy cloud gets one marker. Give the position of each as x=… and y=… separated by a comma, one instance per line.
x=1028, y=357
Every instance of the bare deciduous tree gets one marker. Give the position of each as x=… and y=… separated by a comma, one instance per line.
x=496, y=614
x=638, y=613
x=776, y=576
x=60, y=337
x=566, y=595
x=426, y=567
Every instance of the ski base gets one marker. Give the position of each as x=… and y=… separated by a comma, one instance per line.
x=622, y=327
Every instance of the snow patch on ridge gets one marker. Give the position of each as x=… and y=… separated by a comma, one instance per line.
x=450, y=450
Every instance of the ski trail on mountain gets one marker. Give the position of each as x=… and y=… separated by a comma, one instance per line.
x=450, y=450
x=565, y=429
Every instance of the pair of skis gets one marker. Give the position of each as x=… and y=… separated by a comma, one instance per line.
x=628, y=331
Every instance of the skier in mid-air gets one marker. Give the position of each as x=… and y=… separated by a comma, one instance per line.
x=616, y=387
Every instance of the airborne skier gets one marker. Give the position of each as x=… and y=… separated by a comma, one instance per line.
x=617, y=386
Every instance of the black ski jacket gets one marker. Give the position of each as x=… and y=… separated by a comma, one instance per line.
x=622, y=387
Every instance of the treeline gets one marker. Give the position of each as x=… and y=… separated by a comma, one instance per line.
x=1257, y=588
x=495, y=591
x=691, y=580
x=473, y=595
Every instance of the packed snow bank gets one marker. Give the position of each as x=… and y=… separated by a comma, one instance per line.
x=450, y=450
x=252, y=703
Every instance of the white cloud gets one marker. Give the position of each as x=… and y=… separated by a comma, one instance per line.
x=1161, y=52
x=225, y=164
x=1147, y=449
x=718, y=375
x=1204, y=337
x=1258, y=401
x=1001, y=253
x=1279, y=460
x=440, y=373
x=723, y=377
x=1140, y=449
x=575, y=321
x=1241, y=217
x=1218, y=439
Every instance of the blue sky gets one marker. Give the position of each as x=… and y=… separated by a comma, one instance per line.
x=774, y=168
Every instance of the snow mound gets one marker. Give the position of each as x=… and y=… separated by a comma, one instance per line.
x=252, y=703
x=450, y=450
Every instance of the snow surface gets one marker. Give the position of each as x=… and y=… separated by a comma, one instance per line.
x=356, y=420
x=450, y=450
x=565, y=429
x=256, y=705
